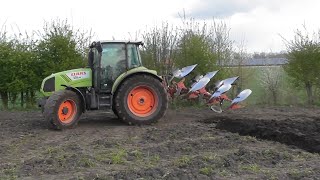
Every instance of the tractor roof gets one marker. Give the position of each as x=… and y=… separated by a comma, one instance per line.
x=122, y=42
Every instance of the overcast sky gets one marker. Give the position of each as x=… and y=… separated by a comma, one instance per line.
x=257, y=23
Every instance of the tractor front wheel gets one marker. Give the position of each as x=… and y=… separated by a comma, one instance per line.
x=62, y=110
x=141, y=100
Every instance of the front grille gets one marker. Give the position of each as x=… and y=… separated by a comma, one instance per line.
x=66, y=78
x=49, y=85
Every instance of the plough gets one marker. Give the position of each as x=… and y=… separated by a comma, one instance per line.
x=214, y=100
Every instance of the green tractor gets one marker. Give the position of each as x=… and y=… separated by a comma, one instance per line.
x=113, y=80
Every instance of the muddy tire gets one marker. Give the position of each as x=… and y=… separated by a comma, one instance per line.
x=62, y=110
x=141, y=100
x=115, y=111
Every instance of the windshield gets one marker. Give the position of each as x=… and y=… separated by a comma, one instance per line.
x=133, y=56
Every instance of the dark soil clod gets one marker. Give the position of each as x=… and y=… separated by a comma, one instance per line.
x=302, y=132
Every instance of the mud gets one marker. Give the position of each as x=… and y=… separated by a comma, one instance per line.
x=191, y=143
x=292, y=126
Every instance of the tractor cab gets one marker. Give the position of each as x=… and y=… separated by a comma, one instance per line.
x=109, y=59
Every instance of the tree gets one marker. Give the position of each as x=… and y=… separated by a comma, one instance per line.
x=210, y=42
x=62, y=47
x=167, y=48
x=17, y=69
x=6, y=73
x=159, y=48
x=25, y=61
x=239, y=56
x=195, y=46
x=270, y=79
x=304, y=60
x=28, y=78
x=221, y=43
x=195, y=49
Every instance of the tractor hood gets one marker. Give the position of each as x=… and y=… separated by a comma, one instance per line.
x=75, y=78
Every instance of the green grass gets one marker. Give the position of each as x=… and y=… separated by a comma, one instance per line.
x=86, y=162
x=300, y=173
x=251, y=167
x=206, y=170
x=182, y=161
x=210, y=157
x=9, y=172
x=155, y=159
x=224, y=173
x=137, y=154
x=119, y=156
x=52, y=150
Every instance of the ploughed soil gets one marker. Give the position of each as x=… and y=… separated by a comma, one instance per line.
x=190, y=143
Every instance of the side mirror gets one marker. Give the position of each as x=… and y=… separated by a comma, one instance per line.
x=90, y=59
x=93, y=44
x=99, y=47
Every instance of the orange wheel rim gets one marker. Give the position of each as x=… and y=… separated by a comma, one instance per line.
x=142, y=101
x=67, y=111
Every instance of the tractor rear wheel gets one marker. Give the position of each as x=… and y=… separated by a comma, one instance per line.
x=141, y=99
x=114, y=110
x=62, y=110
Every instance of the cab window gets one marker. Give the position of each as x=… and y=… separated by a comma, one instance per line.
x=113, y=64
x=133, y=56
x=113, y=60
